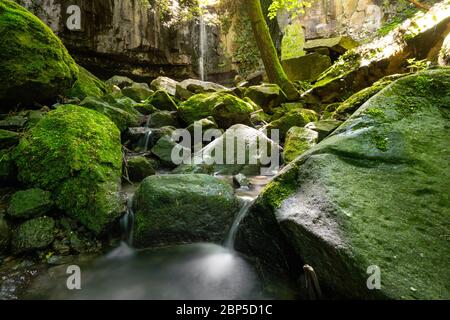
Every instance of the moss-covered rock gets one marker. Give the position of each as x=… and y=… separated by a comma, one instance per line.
x=8, y=138
x=28, y=204
x=293, y=42
x=294, y=118
x=163, y=101
x=121, y=111
x=266, y=96
x=165, y=84
x=298, y=141
x=8, y=170
x=225, y=108
x=34, y=64
x=163, y=119
x=33, y=234
x=120, y=81
x=306, y=68
x=13, y=122
x=164, y=148
x=375, y=193
x=172, y=209
x=76, y=154
x=324, y=127
x=138, y=92
x=139, y=168
x=86, y=85
x=197, y=86
x=5, y=235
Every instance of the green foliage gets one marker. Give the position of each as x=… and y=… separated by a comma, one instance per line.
x=418, y=65
x=186, y=10
x=295, y=7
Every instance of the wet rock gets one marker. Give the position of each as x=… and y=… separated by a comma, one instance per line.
x=120, y=81
x=241, y=181
x=161, y=100
x=8, y=138
x=266, y=96
x=135, y=138
x=165, y=84
x=324, y=127
x=138, y=92
x=164, y=149
x=35, y=66
x=33, y=234
x=16, y=122
x=306, y=68
x=364, y=195
x=298, y=141
x=139, y=168
x=163, y=119
x=76, y=154
x=31, y=203
x=8, y=170
x=174, y=209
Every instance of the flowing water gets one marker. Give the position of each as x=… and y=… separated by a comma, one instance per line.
x=203, y=48
x=193, y=271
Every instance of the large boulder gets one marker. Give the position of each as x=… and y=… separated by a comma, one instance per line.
x=266, y=96
x=161, y=100
x=306, y=68
x=373, y=196
x=86, y=85
x=172, y=209
x=76, y=154
x=225, y=108
x=335, y=45
x=294, y=118
x=138, y=92
x=140, y=167
x=240, y=149
x=197, y=86
x=34, y=64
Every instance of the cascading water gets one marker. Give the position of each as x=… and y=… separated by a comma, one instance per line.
x=203, y=48
x=231, y=237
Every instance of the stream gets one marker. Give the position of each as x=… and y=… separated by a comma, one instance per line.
x=196, y=271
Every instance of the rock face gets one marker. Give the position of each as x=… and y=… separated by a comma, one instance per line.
x=372, y=194
x=419, y=38
x=76, y=154
x=174, y=209
x=34, y=64
x=128, y=37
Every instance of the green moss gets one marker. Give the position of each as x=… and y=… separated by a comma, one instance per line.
x=76, y=154
x=380, y=142
x=34, y=64
x=86, y=85
x=346, y=64
x=33, y=234
x=30, y=204
x=295, y=118
x=376, y=113
x=279, y=190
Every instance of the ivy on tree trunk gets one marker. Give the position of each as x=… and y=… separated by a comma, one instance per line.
x=269, y=54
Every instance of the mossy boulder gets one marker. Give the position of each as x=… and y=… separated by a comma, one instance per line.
x=298, y=141
x=138, y=92
x=324, y=127
x=165, y=150
x=161, y=100
x=374, y=193
x=76, y=154
x=173, y=209
x=165, y=84
x=225, y=108
x=197, y=86
x=266, y=96
x=163, y=119
x=121, y=111
x=139, y=168
x=293, y=42
x=294, y=118
x=34, y=64
x=8, y=138
x=86, y=85
x=119, y=81
x=5, y=234
x=33, y=234
x=28, y=204
x=8, y=170
x=306, y=68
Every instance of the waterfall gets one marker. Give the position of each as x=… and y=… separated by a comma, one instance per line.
x=231, y=237
x=127, y=222
x=203, y=49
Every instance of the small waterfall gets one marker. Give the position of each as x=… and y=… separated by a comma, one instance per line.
x=127, y=222
x=231, y=237
x=146, y=140
x=203, y=49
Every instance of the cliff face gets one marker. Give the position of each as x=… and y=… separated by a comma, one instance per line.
x=124, y=37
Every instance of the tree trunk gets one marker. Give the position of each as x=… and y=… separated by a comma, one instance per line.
x=267, y=49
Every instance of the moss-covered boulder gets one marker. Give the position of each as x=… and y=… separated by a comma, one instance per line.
x=266, y=96
x=294, y=118
x=5, y=234
x=138, y=92
x=76, y=154
x=373, y=194
x=8, y=170
x=166, y=148
x=86, y=85
x=165, y=84
x=163, y=119
x=139, y=168
x=8, y=138
x=293, y=42
x=298, y=141
x=197, y=86
x=306, y=68
x=121, y=111
x=33, y=234
x=172, y=209
x=34, y=64
x=225, y=108
x=119, y=81
x=28, y=204
x=324, y=127
x=241, y=149
x=161, y=100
